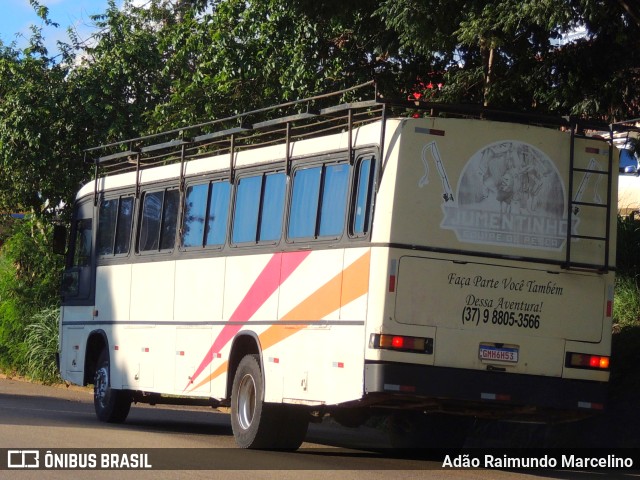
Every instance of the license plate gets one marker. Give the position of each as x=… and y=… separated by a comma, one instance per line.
x=492, y=353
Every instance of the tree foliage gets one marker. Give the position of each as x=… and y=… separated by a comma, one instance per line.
x=39, y=141
x=506, y=52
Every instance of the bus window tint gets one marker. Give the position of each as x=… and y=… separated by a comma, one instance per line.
x=114, y=226
x=107, y=226
x=218, y=213
x=82, y=252
x=319, y=201
x=123, y=229
x=245, y=222
x=194, y=215
x=201, y=227
x=304, y=203
x=169, y=219
x=272, y=207
x=363, y=192
x=259, y=208
x=334, y=200
x=150, y=224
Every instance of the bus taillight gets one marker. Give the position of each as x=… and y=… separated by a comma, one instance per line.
x=583, y=360
x=401, y=343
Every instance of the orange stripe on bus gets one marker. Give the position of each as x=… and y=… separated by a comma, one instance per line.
x=218, y=371
x=348, y=285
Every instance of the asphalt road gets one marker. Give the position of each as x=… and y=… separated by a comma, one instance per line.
x=36, y=417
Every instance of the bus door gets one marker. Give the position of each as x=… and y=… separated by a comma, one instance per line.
x=77, y=292
x=77, y=284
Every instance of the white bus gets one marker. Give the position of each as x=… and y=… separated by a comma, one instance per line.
x=344, y=260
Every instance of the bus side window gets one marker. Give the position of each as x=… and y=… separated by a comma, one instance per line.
x=124, y=225
x=245, y=221
x=193, y=224
x=114, y=226
x=216, y=231
x=149, y=234
x=319, y=201
x=362, y=200
x=158, y=225
x=169, y=224
x=206, y=211
x=259, y=208
x=272, y=207
x=107, y=227
x=304, y=202
x=334, y=200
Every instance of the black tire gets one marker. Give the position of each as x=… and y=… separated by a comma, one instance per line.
x=261, y=425
x=111, y=405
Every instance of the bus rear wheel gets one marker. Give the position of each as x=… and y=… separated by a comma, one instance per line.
x=257, y=424
x=111, y=405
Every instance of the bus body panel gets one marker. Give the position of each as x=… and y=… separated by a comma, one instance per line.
x=199, y=286
x=483, y=297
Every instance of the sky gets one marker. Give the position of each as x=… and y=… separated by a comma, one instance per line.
x=18, y=15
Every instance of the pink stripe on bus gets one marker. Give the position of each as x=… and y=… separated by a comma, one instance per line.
x=272, y=276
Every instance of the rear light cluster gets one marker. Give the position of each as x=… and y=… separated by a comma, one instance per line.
x=590, y=362
x=401, y=343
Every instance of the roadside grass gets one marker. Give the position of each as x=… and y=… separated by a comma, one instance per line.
x=41, y=340
x=626, y=306
x=625, y=348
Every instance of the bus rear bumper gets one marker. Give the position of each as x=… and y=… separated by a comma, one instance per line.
x=481, y=393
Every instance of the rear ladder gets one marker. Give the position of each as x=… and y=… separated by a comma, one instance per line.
x=576, y=202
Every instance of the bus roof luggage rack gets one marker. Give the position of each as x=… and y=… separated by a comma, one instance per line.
x=286, y=122
x=283, y=123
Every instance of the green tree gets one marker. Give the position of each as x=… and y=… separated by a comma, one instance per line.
x=236, y=56
x=120, y=76
x=39, y=142
x=505, y=52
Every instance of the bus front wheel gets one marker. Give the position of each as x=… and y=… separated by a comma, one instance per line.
x=257, y=424
x=111, y=405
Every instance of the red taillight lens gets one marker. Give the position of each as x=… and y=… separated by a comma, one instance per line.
x=401, y=343
x=583, y=360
